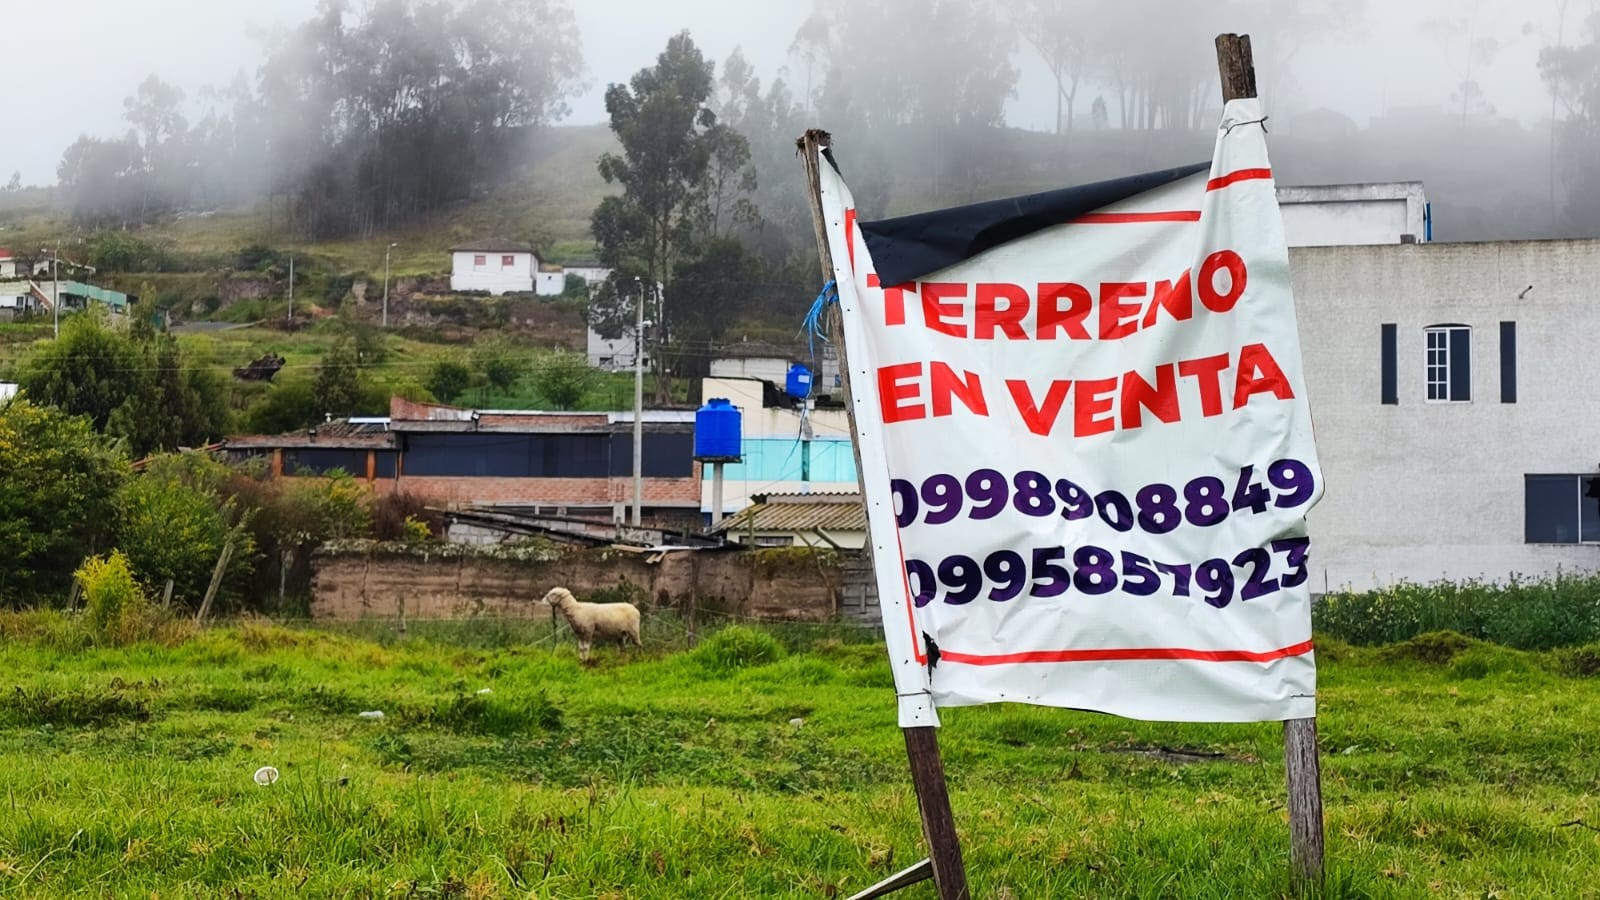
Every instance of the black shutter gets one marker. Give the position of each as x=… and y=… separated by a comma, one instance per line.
x=1508, y=362
x=1388, y=342
x=1460, y=364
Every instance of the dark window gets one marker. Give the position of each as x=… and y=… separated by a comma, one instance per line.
x=480, y=260
x=507, y=262
x=664, y=456
x=322, y=462
x=1387, y=344
x=507, y=455
x=1449, y=363
x=1561, y=509
x=1508, y=362
x=384, y=465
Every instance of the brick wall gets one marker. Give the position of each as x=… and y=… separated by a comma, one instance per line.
x=683, y=492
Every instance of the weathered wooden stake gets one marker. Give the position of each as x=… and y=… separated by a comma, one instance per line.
x=1301, y=763
x=166, y=595
x=216, y=580
x=922, y=743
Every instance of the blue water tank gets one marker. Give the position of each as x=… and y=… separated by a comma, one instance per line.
x=798, y=384
x=718, y=431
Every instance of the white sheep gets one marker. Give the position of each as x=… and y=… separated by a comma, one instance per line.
x=592, y=620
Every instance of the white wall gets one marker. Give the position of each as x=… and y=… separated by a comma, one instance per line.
x=15, y=295
x=8, y=268
x=613, y=354
x=549, y=284
x=1349, y=214
x=1419, y=491
x=493, y=276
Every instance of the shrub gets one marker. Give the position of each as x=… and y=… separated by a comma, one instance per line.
x=404, y=516
x=737, y=647
x=111, y=594
x=173, y=524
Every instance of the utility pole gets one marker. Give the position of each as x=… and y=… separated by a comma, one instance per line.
x=638, y=404
x=386, y=283
x=55, y=284
x=289, y=318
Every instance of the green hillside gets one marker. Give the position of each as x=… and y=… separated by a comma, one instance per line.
x=549, y=204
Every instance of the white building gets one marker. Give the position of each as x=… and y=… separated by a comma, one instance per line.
x=1343, y=215
x=16, y=297
x=8, y=264
x=499, y=267
x=613, y=354
x=1455, y=392
x=781, y=455
x=7, y=391
x=591, y=272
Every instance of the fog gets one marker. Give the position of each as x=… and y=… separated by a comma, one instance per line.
x=1369, y=62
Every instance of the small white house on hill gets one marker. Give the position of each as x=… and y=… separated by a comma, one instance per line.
x=495, y=266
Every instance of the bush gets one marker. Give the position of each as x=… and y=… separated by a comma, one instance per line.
x=110, y=592
x=404, y=516
x=173, y=524
x=737, y=647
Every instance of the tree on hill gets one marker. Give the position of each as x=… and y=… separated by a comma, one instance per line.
x=337, y=389
x=1573, y=73
x=563, y=379
x=684, y=178
x=448, y=380
x=134, y=385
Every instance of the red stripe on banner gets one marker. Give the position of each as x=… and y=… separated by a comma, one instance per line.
x=1222, y=181
x=1175, y=215
x=850, y=236
x=1129, y=653
x=911, y=619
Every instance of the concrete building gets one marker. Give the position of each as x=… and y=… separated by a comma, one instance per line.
x=780, y=457
x=8, y=264
x=1343, y=215
x=495, y=266
x=614, y=354
x=1454, y=390
x=16, y=298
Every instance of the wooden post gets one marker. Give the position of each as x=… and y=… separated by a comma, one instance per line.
x=1304, y=769
x=166, y=595
x=216, y=579
x=1302, y=766
x=922, y=742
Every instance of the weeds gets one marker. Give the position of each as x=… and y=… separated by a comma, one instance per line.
x=1561, y=611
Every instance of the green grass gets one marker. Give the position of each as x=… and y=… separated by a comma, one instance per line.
x=672, y=773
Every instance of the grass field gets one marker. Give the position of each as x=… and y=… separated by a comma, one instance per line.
x=752, y=766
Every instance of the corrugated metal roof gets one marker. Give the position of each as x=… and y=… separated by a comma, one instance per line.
x=801, y=512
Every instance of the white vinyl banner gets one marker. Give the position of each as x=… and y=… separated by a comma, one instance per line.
x=1087, y=456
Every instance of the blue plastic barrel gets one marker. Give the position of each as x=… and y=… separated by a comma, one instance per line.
x=717, y=430
x=798, y=384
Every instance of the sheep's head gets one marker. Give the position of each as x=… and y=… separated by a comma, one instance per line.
x=558, y=596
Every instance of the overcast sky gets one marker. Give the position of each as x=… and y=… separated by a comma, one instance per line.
x=102, y=49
